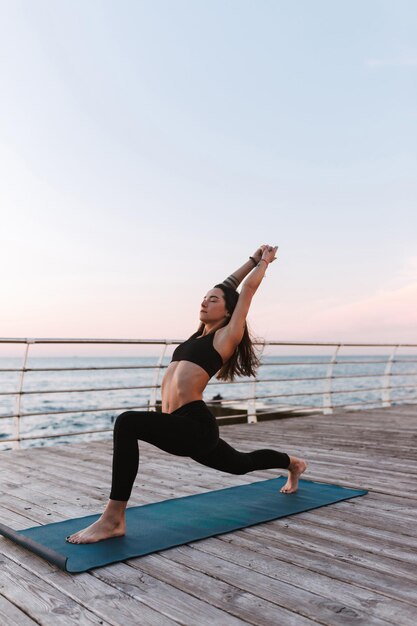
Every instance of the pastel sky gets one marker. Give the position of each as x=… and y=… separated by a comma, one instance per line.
x=148, y=147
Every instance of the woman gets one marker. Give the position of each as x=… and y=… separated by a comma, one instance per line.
x=186, y=427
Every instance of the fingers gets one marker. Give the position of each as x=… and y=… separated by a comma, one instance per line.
x=269, y=253
x=259, y=252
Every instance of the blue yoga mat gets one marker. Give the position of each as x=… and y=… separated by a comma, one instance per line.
x=161, y=525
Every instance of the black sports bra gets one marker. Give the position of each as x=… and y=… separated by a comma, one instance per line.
x=201, y=352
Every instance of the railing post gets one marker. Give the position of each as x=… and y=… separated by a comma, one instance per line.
x=252, y=419
x=327, y=396
x=386, y=380
x=251, y=407
x=18, y=400
x=152, y=396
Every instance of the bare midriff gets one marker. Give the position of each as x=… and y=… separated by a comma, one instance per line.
x=183, y=382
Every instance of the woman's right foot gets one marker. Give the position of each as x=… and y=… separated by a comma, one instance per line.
x=296, y=468
x=103, y=528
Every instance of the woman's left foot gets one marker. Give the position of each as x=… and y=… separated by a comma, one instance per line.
x=100, y=530
x=296, y=468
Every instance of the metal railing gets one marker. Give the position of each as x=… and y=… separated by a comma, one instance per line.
x=257, y=400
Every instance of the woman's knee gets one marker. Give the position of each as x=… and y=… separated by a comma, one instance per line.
x=125, y=420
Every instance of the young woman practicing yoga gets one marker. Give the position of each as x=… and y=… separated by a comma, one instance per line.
x=186, y=427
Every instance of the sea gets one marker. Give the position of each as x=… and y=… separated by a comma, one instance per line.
x=75, y=404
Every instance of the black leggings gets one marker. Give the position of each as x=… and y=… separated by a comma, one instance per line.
x=191, y=431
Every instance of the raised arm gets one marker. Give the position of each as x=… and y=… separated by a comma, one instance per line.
x=238, y=275
x=236, y=326
x=255, y=277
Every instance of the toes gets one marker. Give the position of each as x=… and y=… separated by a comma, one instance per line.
x=287, y=489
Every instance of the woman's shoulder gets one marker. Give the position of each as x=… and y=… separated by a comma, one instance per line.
x=224, y=343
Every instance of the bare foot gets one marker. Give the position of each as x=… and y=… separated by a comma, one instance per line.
x=296, y=468
x=101, y=529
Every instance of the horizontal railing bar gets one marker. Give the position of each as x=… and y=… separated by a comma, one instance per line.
x=361, y=390
x=319, y=409
x=82, y=369
x=395, y=387
x=341, y=406
x=90, y=341
x=258, y=380
x=402, y=374
x=404, y=361
x=291, y=363
x=324, y=362
x=337, y=343
x=388, y=387
x=100, y=410
x=73, y=411
x=233, y=416
x=38, y=340
x=141, y=367
x=297, y=380
x=288, y=408
x=338, y=362
x=308, y=393
x=43, y=391
x=290, y=380
x=138, y=367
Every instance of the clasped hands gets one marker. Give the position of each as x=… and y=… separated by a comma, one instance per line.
x=265, y=252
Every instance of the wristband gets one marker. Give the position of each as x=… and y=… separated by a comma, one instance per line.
x=252, y=259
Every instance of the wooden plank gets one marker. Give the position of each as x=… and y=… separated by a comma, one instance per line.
x=41, y=601
x=403, y=531
x=326, y=585
x=157, y=603
x=244, y=604
x=372, y=556
x=170, y=599
x=341, y=568
x=280, y=593
x=11, y=615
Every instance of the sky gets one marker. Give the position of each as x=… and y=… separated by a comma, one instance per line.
x=147, y=148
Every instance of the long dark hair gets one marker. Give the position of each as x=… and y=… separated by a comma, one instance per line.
x=245, y=360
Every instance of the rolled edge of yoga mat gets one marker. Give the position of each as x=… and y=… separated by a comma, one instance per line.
x=52, y=556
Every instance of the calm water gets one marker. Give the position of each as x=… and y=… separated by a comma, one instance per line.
x=105, y=405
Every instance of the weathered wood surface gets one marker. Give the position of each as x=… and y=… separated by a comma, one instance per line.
x=354, y=562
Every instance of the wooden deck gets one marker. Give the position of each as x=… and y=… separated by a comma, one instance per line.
x=350, y=563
